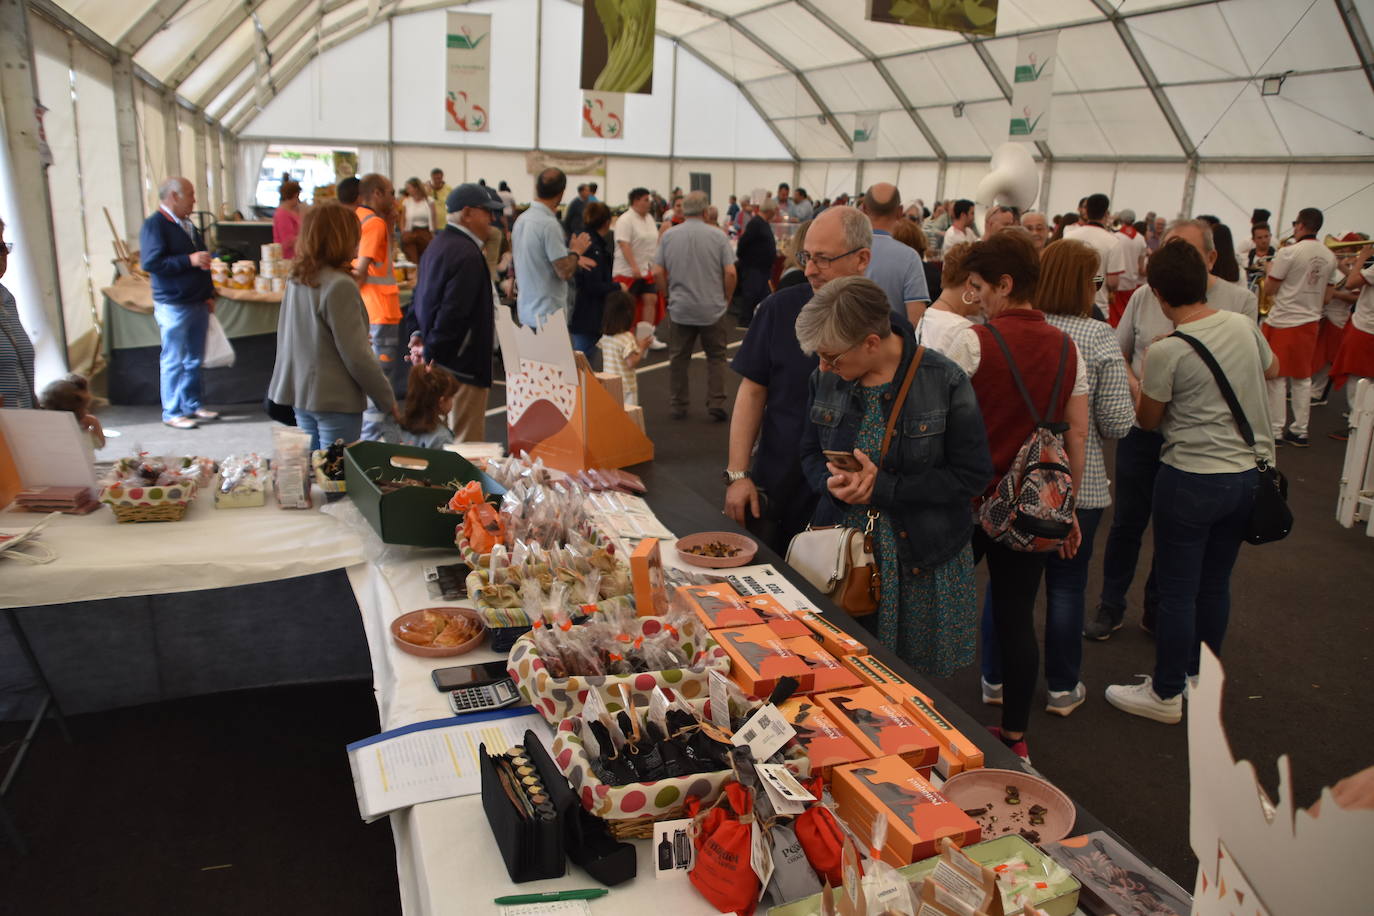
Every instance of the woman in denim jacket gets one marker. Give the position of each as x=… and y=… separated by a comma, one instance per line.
x=937, y=462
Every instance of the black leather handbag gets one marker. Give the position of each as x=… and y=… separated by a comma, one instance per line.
x=1270, y=519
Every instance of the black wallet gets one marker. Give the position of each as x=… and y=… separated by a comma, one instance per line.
x=531, y=843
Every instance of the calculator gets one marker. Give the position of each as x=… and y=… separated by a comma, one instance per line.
x=497, y=695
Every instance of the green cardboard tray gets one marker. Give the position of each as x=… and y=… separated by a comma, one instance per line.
x=410, y=515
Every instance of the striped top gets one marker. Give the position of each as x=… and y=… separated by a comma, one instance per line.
x=16, y=356
x=1110, y=409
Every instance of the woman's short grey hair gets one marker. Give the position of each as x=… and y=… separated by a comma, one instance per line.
x=842, y=314
x=768, y=205
x=858, y=231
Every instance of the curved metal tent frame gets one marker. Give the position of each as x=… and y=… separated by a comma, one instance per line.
x=824, y=53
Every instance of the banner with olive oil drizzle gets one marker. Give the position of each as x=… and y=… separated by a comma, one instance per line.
x=618, y=46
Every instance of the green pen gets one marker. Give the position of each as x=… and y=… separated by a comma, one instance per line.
x=587, y=894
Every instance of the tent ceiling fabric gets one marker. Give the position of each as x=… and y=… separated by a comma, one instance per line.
x=1137, y=79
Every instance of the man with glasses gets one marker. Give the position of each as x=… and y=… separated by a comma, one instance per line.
x=16, y=350
x=765, y=489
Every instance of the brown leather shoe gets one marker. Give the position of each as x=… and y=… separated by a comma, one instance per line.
x=181, y=423
x=203, y=414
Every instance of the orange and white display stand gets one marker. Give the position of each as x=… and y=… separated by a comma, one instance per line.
x=556, y=408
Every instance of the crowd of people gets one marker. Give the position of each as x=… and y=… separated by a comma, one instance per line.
x=897, y=364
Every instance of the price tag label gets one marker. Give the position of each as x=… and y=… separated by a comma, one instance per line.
x=766, y=731
x=720, y=700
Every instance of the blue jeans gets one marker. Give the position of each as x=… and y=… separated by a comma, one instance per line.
x=1066, y=581
x=324, y=426
x=586, y=345
x=183, y=330
x=1200, y=522
x=386, y=344
x=1137, y=463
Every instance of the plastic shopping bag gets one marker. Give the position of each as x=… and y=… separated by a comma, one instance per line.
x=219, y=353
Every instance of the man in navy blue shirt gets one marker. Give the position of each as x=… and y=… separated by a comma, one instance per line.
x=174, y=255
x=769, y=495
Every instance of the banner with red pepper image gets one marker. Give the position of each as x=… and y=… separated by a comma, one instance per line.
x=603, y=115
x=467, y=89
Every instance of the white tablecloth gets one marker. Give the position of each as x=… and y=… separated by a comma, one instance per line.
x=446, y=858
x=99, y=558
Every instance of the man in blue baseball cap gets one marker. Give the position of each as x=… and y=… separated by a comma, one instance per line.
x=454, y=306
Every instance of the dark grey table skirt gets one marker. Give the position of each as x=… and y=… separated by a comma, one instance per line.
x=128, y=651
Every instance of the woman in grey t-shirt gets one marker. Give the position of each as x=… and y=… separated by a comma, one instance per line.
x=1205, y=490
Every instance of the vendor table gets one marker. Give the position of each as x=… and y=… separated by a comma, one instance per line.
x=132, y=347
x=227, y=599
x=446, y=859
x=136, y=613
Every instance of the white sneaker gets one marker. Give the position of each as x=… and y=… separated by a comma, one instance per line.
x=992, y=693
x=1141, y=700
x=658, y=345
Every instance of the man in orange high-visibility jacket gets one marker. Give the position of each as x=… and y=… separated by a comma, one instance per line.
x=377, y=281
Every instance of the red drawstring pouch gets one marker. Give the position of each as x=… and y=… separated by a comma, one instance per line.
x=821, y=837
x=724, y=873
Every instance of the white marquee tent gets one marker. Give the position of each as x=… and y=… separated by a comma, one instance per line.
x=1157, y=103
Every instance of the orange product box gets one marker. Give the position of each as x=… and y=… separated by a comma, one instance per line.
x=780, y=620
x=646, y=573
x=835, y=640
x=758, y=658
x=872, y=671
x=956, y=750
x=918, y=816
x=719, y=606
x=826, y=746
x=880, y=725
x=827, y=672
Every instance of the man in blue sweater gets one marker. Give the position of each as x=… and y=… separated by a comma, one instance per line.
x=174, y=256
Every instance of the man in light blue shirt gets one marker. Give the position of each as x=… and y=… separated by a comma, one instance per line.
x=543, y=262
x=801, y=208
x=895, y=267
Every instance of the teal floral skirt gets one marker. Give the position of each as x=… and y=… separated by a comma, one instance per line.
x=930, y=618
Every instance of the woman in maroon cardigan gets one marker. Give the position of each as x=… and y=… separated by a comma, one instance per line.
x=1003, y=271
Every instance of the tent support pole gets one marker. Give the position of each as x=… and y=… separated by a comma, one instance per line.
x=202, y=176
x=1189, y=188
x=171, y=139
x=391, y=95
x=126, y=134
x=940, y=183
x=231, y=169
x=28, y=181
x=538, y=68
x=216, y=171
x=1283, y=196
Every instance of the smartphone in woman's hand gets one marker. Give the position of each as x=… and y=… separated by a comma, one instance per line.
x=845, y=461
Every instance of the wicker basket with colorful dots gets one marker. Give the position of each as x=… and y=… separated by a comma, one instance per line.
x=631, y=809
x=139, y=503
x=557, y=698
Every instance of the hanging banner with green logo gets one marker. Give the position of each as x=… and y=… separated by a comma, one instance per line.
x=866, y=135
x=618, y=45
x=1033, y=87
x=978, y=17
x=467, y=87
